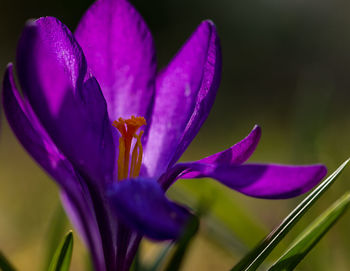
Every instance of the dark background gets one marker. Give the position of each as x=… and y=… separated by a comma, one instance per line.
x=285, y=67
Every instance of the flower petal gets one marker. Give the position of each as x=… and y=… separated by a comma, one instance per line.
x=141, y=204
x=87, y=229
x=120, y=52
x=35, y=140
x=237, y=154
x=68, y=102
x=271, y=181
x=185, y=92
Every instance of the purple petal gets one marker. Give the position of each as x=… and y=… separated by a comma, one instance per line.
x=237, y=154
x=35, y=140
x=120, y=52
x=269, y=181
x=141, y=204
x=87, y=229
x=185, y=92
x=68, y=101
x=32, y=135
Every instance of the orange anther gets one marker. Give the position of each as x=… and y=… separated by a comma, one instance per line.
x=127, y=129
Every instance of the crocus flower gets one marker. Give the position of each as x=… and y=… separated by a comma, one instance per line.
x=98, y=117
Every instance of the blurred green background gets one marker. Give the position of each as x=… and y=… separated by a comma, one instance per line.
x=285, y=67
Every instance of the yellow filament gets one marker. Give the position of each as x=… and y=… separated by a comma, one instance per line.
x=133, y=161
x=136, y=157
x=128, y=129
x=126, y=162
x=121, y=159
x=139, y=157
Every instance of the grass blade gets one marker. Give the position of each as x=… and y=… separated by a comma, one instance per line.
x=312, y=235
x=160, y=258
x=256, y=256
x=62, y=257
x=182, y=245
x=136, y=264
x=5, y=264
x=56, y=230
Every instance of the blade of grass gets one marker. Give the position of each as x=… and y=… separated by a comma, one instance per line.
x=243, y=234
x=55, y=233
x=88, y=262
x=311, y=235
x=255, y=257
x=160, y=258
x=182, y=245
x=5, y=264
x=63, y=255
x=192, y=227
x=136, y=264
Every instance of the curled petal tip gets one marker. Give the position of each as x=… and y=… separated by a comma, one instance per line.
x=31, y=22
x=257, y=130
x=209, y=22
x=323, y=171
x=9, y=66
x=257, y=126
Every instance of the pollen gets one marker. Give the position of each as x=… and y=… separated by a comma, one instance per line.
x=129, y=167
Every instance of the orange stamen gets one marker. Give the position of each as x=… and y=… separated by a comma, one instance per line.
x=128, y=129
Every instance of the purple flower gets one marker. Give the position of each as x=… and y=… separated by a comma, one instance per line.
x=75, y=116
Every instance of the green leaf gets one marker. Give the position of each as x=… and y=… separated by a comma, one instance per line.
x=256, y=256
x=5, y=264
x=180, y=250
x=311, y=235
x=136, y=264
x=160, y=258
x=243, y=234
x=56, y=231
x=62, y=257
x=88, y=262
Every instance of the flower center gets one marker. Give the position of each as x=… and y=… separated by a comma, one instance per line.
x=127, y=129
